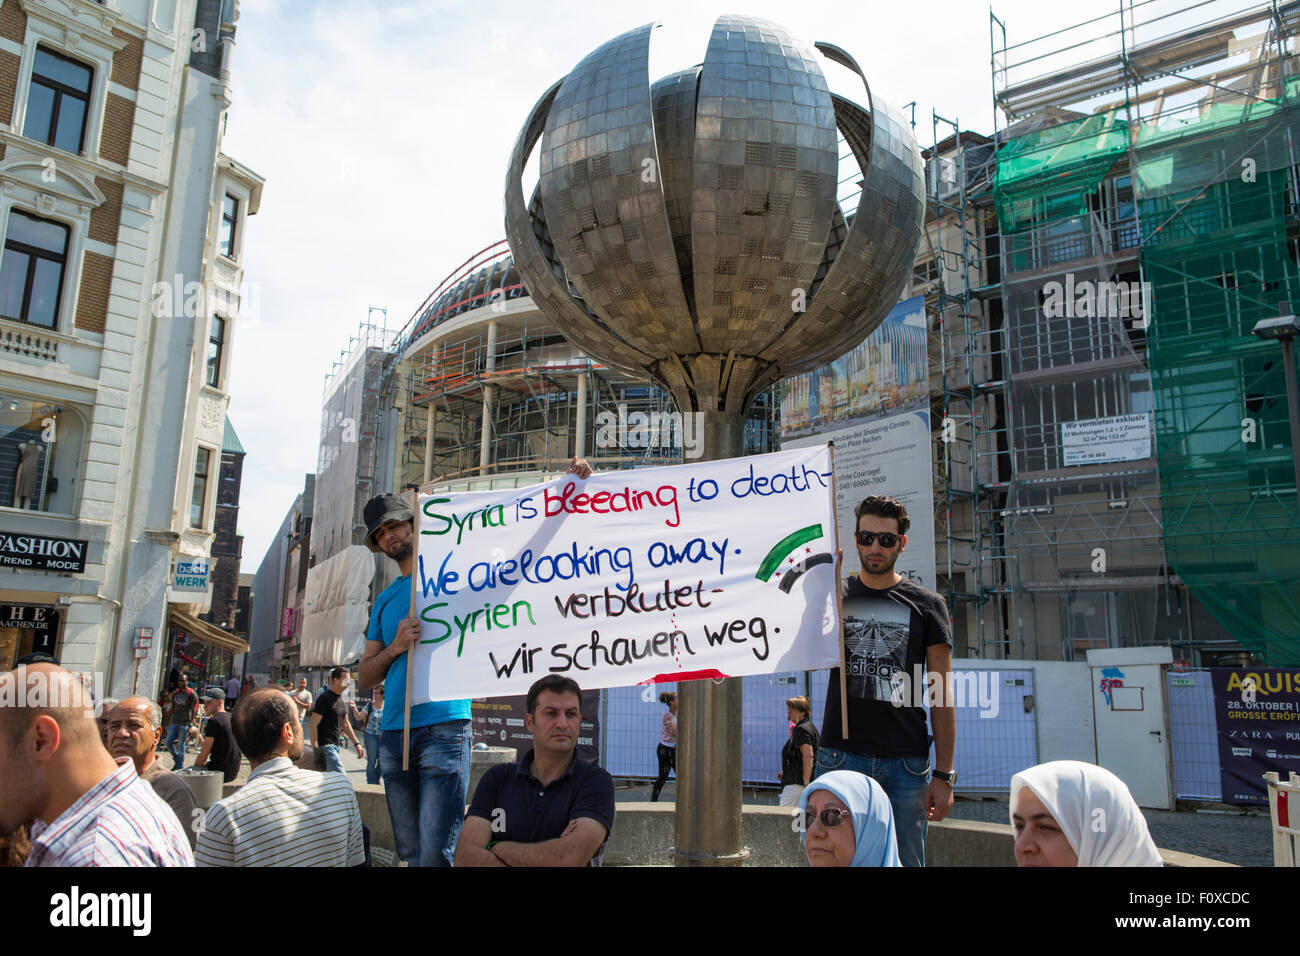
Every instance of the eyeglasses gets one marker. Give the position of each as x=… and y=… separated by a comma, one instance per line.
x=830, y=817
x=887, y=538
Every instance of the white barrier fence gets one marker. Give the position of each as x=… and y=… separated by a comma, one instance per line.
x=1283, y=797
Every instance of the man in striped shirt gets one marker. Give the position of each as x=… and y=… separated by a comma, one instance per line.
x=282, y=816
x=84, y=808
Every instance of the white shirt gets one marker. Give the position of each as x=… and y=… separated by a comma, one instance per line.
x=284, y=816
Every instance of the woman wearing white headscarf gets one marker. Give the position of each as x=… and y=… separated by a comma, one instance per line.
x=847, y=821
x=1070, y=813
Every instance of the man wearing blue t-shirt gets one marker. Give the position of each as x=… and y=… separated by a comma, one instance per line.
x=426, y=803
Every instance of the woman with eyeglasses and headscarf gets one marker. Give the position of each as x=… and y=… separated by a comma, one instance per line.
x=847, y=821
x=1070, y=813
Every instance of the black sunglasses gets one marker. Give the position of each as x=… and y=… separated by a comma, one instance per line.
x=830, y=817
x=887, y=538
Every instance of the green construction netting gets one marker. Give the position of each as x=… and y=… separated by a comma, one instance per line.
x=1220, y=238
x=1219, y=262
x=1047, y=174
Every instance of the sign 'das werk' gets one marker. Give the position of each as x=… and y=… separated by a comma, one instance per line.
x=715, y=569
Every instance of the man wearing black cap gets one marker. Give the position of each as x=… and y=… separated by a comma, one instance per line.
x=426, y=803
x=218, y=740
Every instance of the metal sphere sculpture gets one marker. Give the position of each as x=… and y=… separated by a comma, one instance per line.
x=690, y=229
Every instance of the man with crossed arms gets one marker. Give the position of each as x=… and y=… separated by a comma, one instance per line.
x=550, y=808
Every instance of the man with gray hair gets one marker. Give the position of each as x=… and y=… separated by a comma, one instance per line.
x=55, y=774
x=134, y=730
x=101, y=720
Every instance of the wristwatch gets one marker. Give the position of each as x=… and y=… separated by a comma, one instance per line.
x=947, y=776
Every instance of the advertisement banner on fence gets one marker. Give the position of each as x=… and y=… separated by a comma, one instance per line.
x=499, y=722
x=1258, y=715
x=711, y=569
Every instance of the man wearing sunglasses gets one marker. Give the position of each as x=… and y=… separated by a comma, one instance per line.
x=894, y=631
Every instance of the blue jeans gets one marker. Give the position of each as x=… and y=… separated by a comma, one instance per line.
x=332, y=760
x=177, y=736
x=372, y=758
x=904, y=780
x=427, y=802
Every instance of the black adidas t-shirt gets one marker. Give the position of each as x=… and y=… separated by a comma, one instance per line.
x=886, y=634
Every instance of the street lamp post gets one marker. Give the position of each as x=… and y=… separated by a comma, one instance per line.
x=1284, y=328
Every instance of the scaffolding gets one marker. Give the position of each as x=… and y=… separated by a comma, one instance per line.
x=1146, y=198
x=959, y=278
x=490, y=387
x=348, y=467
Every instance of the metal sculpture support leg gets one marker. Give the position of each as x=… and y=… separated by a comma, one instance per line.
x=710, y=733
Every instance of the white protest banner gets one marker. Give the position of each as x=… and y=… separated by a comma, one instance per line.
x=711, y=569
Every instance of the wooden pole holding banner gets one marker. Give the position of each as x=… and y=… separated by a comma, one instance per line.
x=410, y=654
x=839, y=599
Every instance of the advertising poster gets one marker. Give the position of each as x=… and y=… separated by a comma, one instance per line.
x=1258, y=716
x=499, y=722
x=1095, y=440
x=874, y=404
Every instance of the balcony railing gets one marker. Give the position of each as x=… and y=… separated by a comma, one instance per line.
x=17, y=338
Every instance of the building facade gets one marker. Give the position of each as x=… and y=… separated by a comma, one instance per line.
x=276, y=595
x=227, y=552
x=121, y=282
x=1114, y=458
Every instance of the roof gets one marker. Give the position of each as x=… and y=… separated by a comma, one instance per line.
x=231, y=442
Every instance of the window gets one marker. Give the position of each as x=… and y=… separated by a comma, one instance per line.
x=216, y=343
x=199, y=496
x=58, y=101
x=923, y=273
x=31, y=271
x=229, y=218
x=40, y=450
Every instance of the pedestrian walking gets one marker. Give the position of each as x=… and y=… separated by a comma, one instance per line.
x=329, y=720
x=374, y=717
x=181, y=706
x=666, y=752
x=232, y=692
x=799, y=755
x=219, y=752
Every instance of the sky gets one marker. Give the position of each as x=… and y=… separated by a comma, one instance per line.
x=383, y=131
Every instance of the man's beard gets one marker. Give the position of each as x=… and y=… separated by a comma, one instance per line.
x=400, y=553
x=889, y=565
